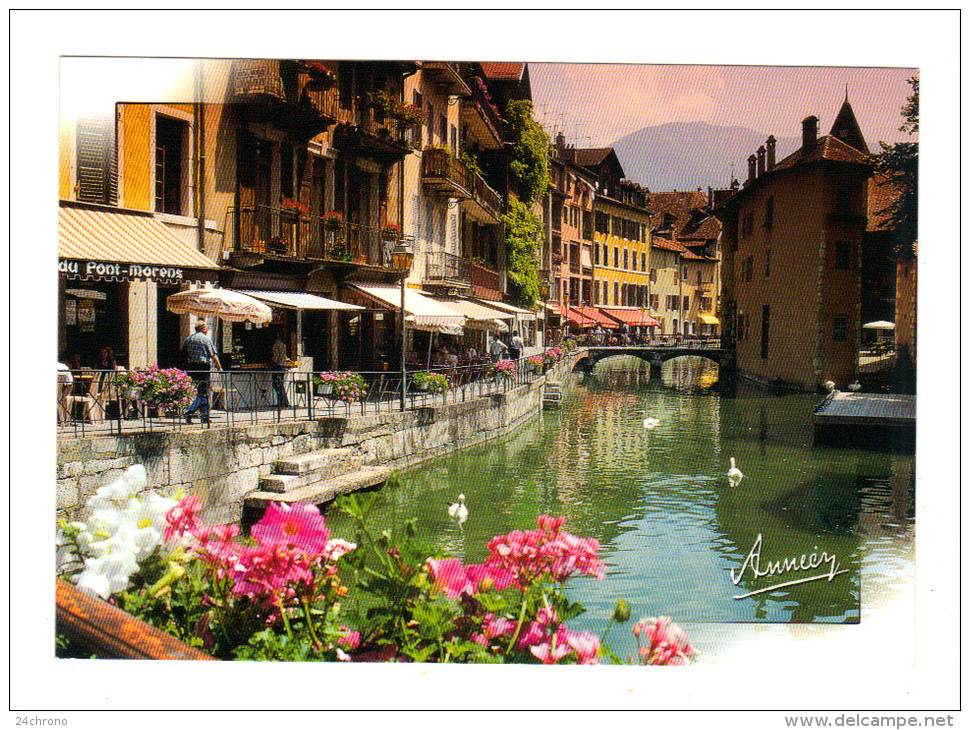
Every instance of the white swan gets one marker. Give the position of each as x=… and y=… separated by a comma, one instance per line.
x=458, y=510
x=855, y=387
x=734, y=474
x=651, y=423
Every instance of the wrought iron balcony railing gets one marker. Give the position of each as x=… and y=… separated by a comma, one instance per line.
x=441, y=170
x=441, y=266
x=265, y=230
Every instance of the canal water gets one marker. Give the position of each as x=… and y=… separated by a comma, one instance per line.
x=678, y=538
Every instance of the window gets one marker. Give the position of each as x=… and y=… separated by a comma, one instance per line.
x=769, y=212
x=606, y=291
x=655, y=301
x=443, y=126
x=616, y=226
x=843, y=256
x=767, y=262
x=596, y=255
x=97, y=160
x=747, y=225
x=602, y=222
x=705, y=304
x=765, y=317
x=686, y=302
x=454, y=138
x=643, y=261
x=840, y=329
x=171, y=136
x=596, y=295
x=626, y=259
x=653, y=275
x=616, y=257
x=616, y=292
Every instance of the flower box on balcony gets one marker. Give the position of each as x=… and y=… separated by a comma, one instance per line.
x=333, y=220
x=390, y=232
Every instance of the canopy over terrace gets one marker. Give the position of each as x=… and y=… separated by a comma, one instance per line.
x=631, y=317
x=597, y=317
x=477, y=315
x=421, y=312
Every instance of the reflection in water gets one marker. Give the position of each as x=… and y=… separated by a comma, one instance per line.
x=671, y=526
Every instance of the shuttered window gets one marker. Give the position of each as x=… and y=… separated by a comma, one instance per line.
x=97, y=160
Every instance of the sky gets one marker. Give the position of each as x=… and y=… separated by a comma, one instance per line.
x=596, y=104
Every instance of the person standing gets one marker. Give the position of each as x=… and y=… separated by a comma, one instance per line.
x=497, y=348
x=515, y=346
x=279, y=366
x=200, y=355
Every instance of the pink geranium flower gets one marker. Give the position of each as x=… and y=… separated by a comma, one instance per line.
x=298, y=525
x=665, y=643
x=449, y=576
x=183, y=517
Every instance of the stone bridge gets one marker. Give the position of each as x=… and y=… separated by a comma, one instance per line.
x=657, y=355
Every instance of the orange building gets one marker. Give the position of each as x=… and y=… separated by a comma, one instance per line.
x=791, y=245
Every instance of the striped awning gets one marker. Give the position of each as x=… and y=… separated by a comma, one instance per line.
x=596, y=316
x=297, y=300
x=422, y=312
x=112, y=245
x=633, y=317
x=577, y=318
x=477, y=315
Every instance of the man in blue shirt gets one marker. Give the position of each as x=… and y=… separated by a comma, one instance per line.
x=200, y=354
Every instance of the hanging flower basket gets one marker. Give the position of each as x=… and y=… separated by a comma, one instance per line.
x=390, y=232
x=293, y=206
x=333, y=220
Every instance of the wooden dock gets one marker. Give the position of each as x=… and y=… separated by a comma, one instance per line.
x=869, y=420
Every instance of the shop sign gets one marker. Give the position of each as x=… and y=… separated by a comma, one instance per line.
x=118, y=271
x=70, y=312
x=85, y=315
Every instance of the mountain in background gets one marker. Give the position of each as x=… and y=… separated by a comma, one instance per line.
x=688, y=155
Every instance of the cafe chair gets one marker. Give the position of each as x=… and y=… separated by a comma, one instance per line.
x=87, y=405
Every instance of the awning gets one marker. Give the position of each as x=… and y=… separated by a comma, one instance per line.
x=577, y=318
x=633, y=317
x=477, y=315
x=108, y=245
x=511, y=309
x=423, y=313
x=596, y=316
x=297, y=300
x=708, y=319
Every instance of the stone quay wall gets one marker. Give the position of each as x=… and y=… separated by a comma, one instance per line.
x=223, y=465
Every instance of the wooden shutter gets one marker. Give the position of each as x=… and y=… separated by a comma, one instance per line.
x=97, y=163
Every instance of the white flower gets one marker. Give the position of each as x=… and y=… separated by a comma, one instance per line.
x=94, y=582
x=104, y=522
x=337, y=547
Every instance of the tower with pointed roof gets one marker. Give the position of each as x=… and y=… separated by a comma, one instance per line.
x=791, y=259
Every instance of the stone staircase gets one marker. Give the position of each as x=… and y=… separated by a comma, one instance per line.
x=316, y=478
x=552, y=395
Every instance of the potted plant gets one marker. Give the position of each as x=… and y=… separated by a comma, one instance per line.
x=295, y=207
x=504, y=368
x=333, y=220
x=345, y=386
x=390, y=232
x=431, y=382
x=409, y=115
x=171, y=388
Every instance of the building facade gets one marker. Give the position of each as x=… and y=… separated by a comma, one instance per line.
x=791, y=243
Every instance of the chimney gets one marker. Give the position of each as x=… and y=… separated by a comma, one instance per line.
x=770, y=145
x=560, y=141
x=734, y=185
x=761, y=160
x=710, y=197
x=809, y=132
x=752, y=162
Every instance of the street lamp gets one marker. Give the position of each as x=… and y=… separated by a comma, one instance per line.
x=402, y=257
x=544, y=293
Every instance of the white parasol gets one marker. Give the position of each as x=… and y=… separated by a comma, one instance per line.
x=879, y=325
x=226, y=304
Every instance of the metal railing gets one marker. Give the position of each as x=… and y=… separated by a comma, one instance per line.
x=440, y=164
x=101, y=404
x=263, y=229
x=444, y=266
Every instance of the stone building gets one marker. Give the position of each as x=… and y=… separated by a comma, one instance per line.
x=791, y=246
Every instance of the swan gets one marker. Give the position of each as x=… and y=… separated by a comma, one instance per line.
x=734, y=474
x=855, y=387
x=458, y=510
x=651, y=422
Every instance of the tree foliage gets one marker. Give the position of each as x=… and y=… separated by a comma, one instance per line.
x=523, y=235
x=530, y=151
x=897, y=166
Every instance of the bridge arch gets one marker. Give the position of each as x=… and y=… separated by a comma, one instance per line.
x=657, y=356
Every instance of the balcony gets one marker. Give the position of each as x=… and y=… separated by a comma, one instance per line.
x=444, y=173
x=446, y=76
x=480, y=115
x=287, y=94
x=486, y=283
x=441, y=267
x=263, y=233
